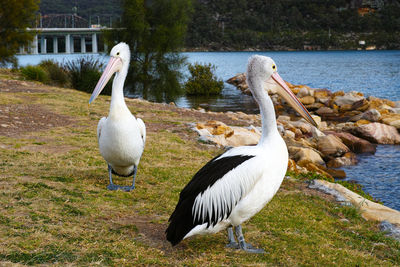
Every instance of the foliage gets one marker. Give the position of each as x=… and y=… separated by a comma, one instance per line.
x=35, y=73
x=155, y=32
x=203, y=81
x=268, y=24
x=15, y=17
x=57, y=75
x=84, y=74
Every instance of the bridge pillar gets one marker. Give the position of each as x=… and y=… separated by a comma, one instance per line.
x=72, y=50
x=68, y=44
x=43, y=45
x=94, y=43
x=83, y=44
x=22, y=49
x=34, y=46
x=55, y=45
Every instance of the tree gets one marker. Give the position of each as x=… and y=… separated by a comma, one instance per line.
x=15, y=17
x=155, y=31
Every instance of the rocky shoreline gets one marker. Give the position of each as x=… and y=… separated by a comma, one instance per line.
x=348, y=124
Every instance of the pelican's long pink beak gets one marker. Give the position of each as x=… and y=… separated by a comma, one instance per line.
x=114, y=65
x=288, y=95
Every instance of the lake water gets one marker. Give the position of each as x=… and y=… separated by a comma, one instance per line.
x=374, y=73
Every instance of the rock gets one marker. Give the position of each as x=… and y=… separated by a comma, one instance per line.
x=317, y=119
x=322, y=93
x=239, y=80
x=304, y=91
x=377, y=133
x=392, y=120
x=375, y=102
x=361, y=122
x=282, y=118
x=243, y=137
x=316, y=168
x=361, y=105
x=314, y=106
x=369, y=209
x=292, y=167
x=338, y=174
x=348, y=159
x=397, y=104
x=217, y=128
x=301, y=124
x=331, y=145
x=355, y=144
x=325, y=111
x=307, y=100
x=302, y=154
x=289, y=134
x=371, y=115
x=347, y=98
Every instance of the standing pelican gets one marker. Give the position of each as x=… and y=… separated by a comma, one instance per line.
x=234, y=186
x=121, y=136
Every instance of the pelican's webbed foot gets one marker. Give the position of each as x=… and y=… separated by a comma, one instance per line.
x=114, y=187
x=242, y=243
x=231, y=239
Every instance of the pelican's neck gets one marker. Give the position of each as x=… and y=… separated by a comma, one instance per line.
x=118, y=104
x=268, y=120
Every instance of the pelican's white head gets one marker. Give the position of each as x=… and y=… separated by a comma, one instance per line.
x=263, y=69
x=119, y=61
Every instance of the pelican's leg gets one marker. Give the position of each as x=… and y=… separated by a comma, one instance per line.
x=242, y=243
x=111, y=186
x=231, y=239
x=129, y=188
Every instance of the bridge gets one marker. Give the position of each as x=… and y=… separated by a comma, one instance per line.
x=65, y=34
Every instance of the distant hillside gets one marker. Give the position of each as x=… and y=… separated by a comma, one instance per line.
x=268, y=24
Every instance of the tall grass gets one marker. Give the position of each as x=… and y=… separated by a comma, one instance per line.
x=57, y=74
x=35, y=73
x=84, y=73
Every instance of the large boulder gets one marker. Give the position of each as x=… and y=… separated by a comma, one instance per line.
x=303, y=154
x=356, y=144
x=348, y=99
x=331, y=146
x=371, y=115
x=307, y=100
x=243, y=137
x=392, y=120
x=348, y=159
x=369, y=210
x=216, y=128
x=378, y=133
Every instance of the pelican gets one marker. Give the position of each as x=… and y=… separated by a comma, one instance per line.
x=121, y=136
x=234, y=186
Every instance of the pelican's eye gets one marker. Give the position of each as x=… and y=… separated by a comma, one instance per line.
x=117, y=53
x=274, y=67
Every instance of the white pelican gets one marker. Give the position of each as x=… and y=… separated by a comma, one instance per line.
x=121, y=136
x=234, y=186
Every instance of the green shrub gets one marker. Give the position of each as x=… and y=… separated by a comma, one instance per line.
x=203, y=81
x=35, y=73
x=58, y=76
x=84, y=74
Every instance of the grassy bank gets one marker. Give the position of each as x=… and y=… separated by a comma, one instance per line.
x=55, y=208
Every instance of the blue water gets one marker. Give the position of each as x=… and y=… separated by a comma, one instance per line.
x=374, y=73
x=379, y=174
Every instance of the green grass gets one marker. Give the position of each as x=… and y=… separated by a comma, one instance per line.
x=55, y=209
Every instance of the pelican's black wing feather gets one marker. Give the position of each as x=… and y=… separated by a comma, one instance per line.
x=181, y=220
